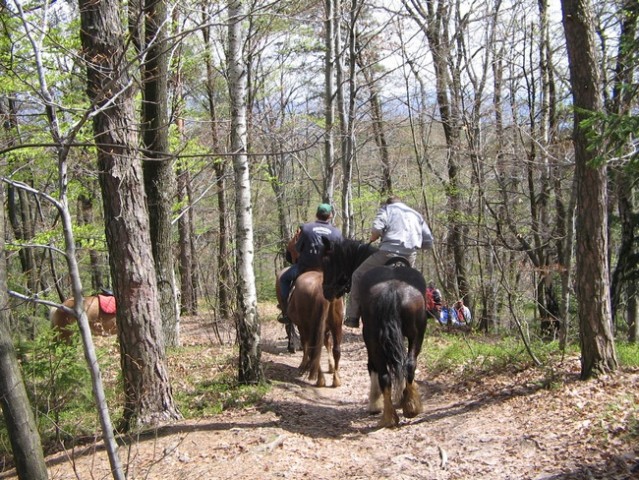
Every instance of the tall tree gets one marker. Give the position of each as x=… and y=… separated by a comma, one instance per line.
x=18, y=416
x=433, y=20
x=147, y=390
x=159, y=178
x=623, y=184
x=329, y=100
x=221, y=167
x=248, y=325
x=593, y=294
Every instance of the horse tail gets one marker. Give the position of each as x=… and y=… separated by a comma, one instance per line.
x=391, y=339
x=316, y=342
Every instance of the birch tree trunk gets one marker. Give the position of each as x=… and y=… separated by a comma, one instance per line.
x=593, y=293
x=248, y=326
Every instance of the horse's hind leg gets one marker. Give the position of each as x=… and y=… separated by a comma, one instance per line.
x=375, y=401
x=411, y=402
x=329, y=347
x=335, y=355
x=389, y=417
x=293, y=338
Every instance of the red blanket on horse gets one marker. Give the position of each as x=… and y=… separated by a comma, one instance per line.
x=107, y=304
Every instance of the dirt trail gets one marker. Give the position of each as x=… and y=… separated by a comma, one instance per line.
x=504, y=427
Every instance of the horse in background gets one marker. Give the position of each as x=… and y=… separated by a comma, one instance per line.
x=100, y=311
x=393, y=307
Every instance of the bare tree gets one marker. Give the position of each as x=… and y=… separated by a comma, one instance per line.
x=623, y=184
x=593, y=293
x=433, y=20
x=329, y=100
x=221, y=167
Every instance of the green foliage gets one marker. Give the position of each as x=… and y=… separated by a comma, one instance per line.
x=56, y=379
x=609, y=134
x=59, y=387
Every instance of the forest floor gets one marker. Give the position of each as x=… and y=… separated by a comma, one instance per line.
x=537, y=423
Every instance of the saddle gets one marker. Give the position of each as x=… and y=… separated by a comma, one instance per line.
x=396, y=262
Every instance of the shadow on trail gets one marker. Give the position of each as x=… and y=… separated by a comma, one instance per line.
x=90, y=445
x=475, y=402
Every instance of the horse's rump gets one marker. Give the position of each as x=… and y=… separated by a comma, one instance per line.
x=382, y=331
x=393, y=307
x=315, y=317
x=308, y=309
x=101, y=323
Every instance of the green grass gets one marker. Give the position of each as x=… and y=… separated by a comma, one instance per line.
x=628, y=354
x=474, y=353
x=209, y=385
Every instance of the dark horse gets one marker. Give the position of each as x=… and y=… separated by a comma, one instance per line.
x=393, y=307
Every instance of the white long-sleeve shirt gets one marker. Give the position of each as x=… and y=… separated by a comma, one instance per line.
x=401, y=229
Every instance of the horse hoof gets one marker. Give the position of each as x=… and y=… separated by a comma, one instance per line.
x=389, y=423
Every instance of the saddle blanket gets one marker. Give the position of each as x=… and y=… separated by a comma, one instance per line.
x=107, y=304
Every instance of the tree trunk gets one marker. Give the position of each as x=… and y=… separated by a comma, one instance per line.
x=623, y=184
x=21, y=219
x=85, y=217
x=159, y=179
x=224, y=265
x=433, y=22
x=248, y=325
x=329, y=102
x=147, y=390
x=18, y=416
x=593, y=294
x=186, y=234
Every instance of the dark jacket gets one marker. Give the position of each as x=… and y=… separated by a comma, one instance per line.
x=310, y=246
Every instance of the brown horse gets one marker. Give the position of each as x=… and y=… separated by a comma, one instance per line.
x=101, y=322
x=320, y=324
